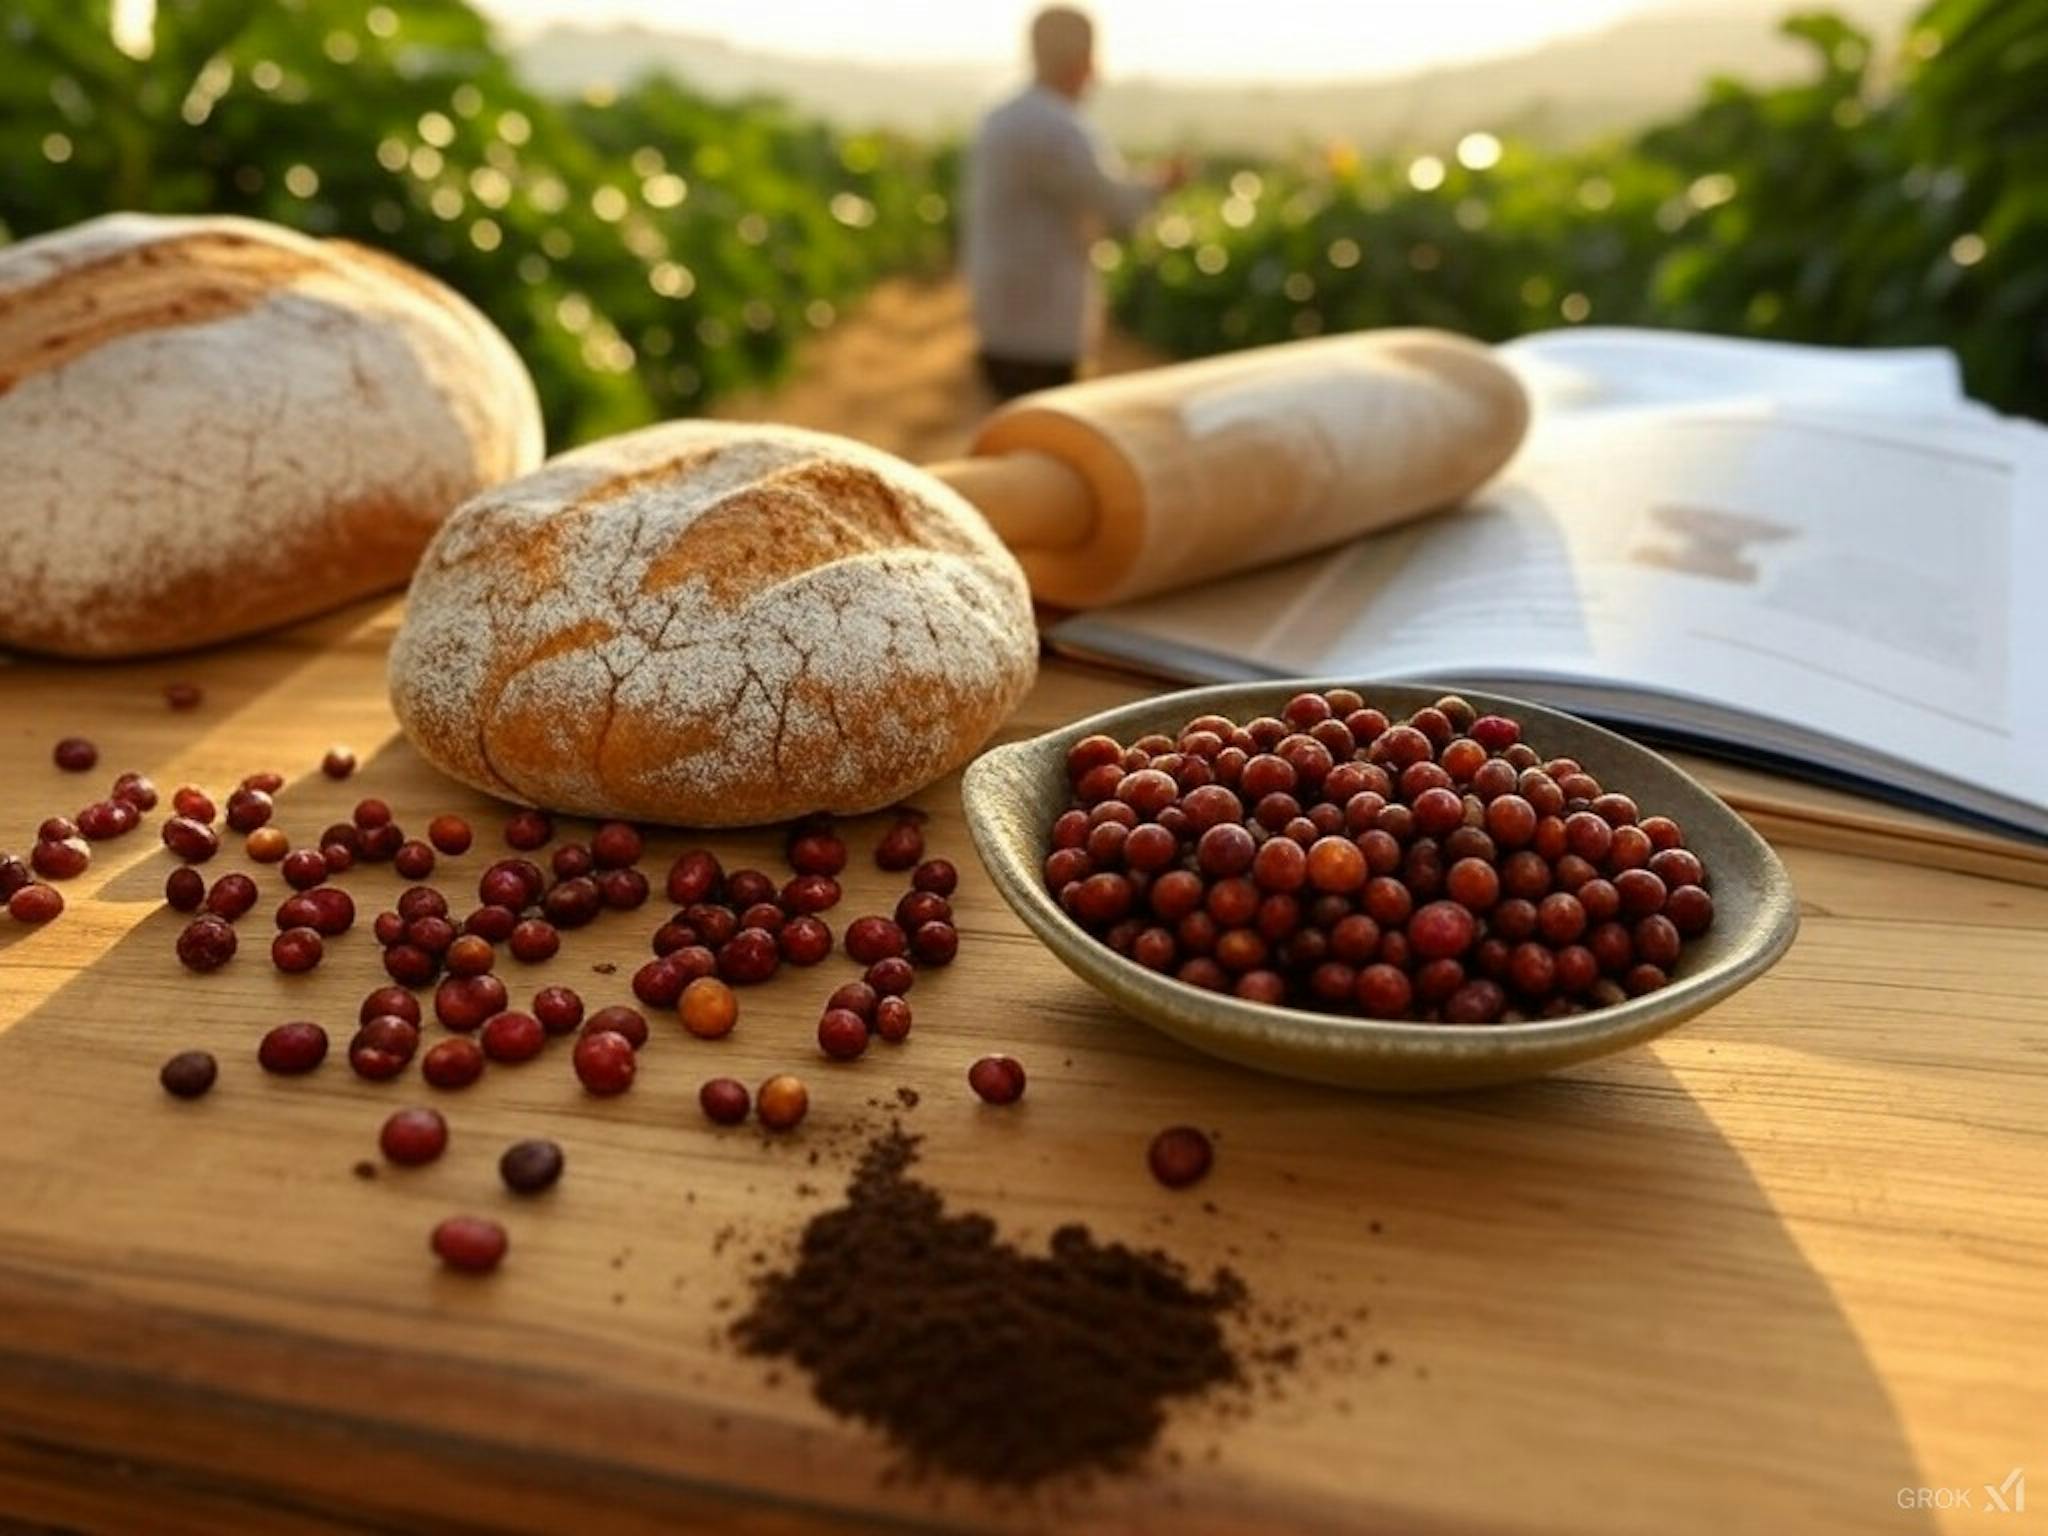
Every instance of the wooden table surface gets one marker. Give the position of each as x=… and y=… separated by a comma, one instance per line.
x=1774, y=1273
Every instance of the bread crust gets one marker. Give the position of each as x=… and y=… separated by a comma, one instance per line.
x=712, y=625
x=214, y=426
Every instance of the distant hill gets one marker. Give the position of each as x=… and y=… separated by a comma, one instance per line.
x=1616, y=77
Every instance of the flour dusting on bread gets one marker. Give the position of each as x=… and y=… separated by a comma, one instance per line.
x=712, y=625
x=213, y=426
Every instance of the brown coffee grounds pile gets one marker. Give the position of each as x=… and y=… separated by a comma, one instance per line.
x=978, y=1359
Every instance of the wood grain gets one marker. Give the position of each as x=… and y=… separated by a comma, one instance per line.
x=1763, y=1275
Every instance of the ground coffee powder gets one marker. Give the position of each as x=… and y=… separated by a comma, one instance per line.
x=978, y=1359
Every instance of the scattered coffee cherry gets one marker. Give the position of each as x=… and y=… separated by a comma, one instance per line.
x=997, y=1079
x=472, y=1244
x=817, y=851
x=290, y=1049
x=869, y=939
x=183, y=696
x=391, y=1000
x=207, y=943
x=233, y=894
x=412, y=1136
x=296, y=950
x=572, y=903
x=436, y=935
x=616, y=844
x=14, y=875
x=782, y=1102
x=303, y=869
x=920, y=907
x=135, y=789
x=56, y=829
x=462, y=1003
x=494, y=925
x=74, y=754
x=193, y=841
x=713, y=925
x=619, y=1020
x=745, y=887
x=891, y=976
x=529, y=1167
x=804, y=940
x=389, y=928
x=856, y=997
x=453, y=1063
x=339, y=762
x=695, y=876
x=338, y=857
x=414, y=860
x=724, y=1100
x=604, y=1062
x=381, y=844
x=660, y=982
x=937, y=876
x=383, y=1046
x=265, y=783
x=513, y=883
x=892, y=1018
x=533, y=941
x=623, y=890
x=327, y=909
x=268, y=845
x=806, y=894
x=528, y=830
x=36, y=903
x=184, y=889
x=935, y=943
x=450, y=834
x=106, y=819
x=901, y=846
x=467, y=955
x=512, y=1036
x=249, y=809
x=842, y=1035
x=1179, y=1156
x=370, y=814
x=193, y=804
x=708, y=1008
x=189, y=1074
x=749, y=957
x=410, y=966
x=417, y=901
x=765, y=915
x=60, y=858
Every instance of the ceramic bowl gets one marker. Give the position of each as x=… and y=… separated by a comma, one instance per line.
x=1013, y=792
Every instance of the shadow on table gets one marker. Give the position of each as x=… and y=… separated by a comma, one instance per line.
x=1617, y=1328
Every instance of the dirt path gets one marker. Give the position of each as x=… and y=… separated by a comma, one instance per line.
x=897, y=372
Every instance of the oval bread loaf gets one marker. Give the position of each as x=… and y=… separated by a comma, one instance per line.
x=213, y=426
x=712, y=625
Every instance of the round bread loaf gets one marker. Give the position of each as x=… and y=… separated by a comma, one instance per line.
x=712, y=625
x=212, y=426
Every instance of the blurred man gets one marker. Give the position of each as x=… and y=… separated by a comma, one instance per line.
x=1040, y=190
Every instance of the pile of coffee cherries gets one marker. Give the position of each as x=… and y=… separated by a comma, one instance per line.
x=1435, y=868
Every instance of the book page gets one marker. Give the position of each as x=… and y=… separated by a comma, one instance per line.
x=1791, y=578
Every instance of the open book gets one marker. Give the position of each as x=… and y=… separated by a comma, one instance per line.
x=1827, y=561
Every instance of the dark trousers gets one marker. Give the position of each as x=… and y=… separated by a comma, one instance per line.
x=1010, y=377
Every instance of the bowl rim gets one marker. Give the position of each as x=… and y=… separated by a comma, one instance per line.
x=1768, y=932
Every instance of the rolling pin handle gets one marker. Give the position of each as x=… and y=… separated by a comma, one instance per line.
x=1032, y=500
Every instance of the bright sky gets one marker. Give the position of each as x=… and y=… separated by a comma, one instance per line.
x=1181, y=39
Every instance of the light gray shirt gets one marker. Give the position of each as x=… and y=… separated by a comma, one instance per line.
x=1041, y=188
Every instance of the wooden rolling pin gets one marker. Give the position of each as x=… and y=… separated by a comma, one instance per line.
x=1122, y=486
